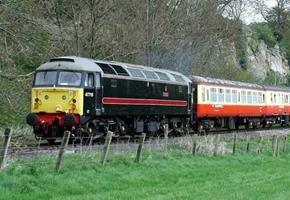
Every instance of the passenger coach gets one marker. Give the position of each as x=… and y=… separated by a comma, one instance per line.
x=226, y=104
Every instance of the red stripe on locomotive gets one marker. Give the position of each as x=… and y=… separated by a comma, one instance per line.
x=131, y=101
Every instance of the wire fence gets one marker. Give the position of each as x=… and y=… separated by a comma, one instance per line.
x=17, y=154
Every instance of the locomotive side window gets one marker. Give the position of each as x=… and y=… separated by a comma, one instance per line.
x=98, y=80
x=180, y=89
x=107, y=69
x=136, y=73
x=89, y=82
x=113, y=83
x=235, y=96
x=120, y=70
x=213, y=95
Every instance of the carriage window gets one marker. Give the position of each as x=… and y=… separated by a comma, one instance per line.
x=235, y=96
x=89, y=82
x=260, y=98
x=274, y=98
x=203, y=94
x=281, y=97
x=213, y=95
x=255, y=98
x=249, y=97
x=286, y=100
x=221, y=95
x=243, y=97
x=228, y=96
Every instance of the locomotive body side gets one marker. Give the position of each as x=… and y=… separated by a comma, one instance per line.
x=143, y=97
x=90, y=97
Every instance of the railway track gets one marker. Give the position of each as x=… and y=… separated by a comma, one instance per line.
x=25, y=148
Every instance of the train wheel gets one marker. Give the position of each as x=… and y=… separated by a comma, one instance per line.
x=51, y=141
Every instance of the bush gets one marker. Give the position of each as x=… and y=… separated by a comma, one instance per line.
x=264, y=32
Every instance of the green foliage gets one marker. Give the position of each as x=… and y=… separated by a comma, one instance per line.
x=229, y=71
x=263, y=32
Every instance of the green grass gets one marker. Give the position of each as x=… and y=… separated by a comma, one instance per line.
x=179, y=176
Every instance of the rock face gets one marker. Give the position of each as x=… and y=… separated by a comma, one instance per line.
x=266, y=60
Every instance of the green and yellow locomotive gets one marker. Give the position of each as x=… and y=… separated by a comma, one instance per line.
x=90, y=97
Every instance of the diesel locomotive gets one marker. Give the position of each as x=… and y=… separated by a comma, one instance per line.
x=91, y=97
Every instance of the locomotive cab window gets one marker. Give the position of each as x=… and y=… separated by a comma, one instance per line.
x=69, y=78
x=45, y=78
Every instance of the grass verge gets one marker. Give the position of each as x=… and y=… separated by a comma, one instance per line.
x=238, y=176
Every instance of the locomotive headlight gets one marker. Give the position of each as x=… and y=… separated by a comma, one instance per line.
x=74, y=100
x=63, y=97
x=36, y=100
x=58, y=108
x=46, y=97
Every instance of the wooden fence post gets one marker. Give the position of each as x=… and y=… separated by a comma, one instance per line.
x=5, y=146
x=275, y=147
x=235, y=143
x=260, y=145
x=273, y=141
x=248, y=143
x=285, y=143
x=194, y=143
x=165, y=140
x=62, y=150
x=106, y=147
x=216, y=145
x=139, y=150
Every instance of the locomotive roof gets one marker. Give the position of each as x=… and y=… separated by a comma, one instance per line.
x=114, y=68
x=141, y=72
x=70, y=63
x=214, y=81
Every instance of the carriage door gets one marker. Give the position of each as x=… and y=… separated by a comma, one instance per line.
x=92, y=94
